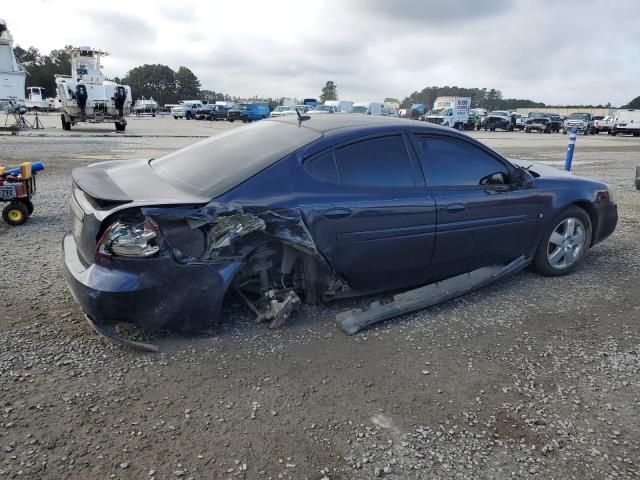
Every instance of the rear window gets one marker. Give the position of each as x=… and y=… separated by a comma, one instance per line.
x=217, y=164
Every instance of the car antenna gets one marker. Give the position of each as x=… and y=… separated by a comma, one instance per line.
x=301, y=118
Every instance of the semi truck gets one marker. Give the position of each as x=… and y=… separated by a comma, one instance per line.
x=450, y=112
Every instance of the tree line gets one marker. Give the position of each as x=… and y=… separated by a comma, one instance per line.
x=168, y=86
x=491, y=99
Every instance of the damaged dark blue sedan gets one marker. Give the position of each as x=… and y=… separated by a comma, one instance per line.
x=313, y=209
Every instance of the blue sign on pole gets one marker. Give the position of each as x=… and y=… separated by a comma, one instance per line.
x=572, y=144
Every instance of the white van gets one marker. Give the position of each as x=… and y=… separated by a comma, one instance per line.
x=626, y=121
x=341, y=106
x=367, y=108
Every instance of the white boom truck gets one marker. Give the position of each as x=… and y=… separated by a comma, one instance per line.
x=450, y=112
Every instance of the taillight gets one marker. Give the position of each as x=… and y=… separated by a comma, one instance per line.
x=124, y=239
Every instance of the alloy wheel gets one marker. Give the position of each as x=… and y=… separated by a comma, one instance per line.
x=566, y=243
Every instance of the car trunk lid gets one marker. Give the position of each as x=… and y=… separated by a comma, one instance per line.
x=106, y=188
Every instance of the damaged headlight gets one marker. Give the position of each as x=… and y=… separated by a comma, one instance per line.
x=131, y=240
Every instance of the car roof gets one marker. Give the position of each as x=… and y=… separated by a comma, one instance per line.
x=340, y=121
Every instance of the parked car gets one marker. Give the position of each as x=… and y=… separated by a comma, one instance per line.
x=334, y=206
x=498, y=119
x=283, y=111
x=322, y=109
x=248, y=112
x=602, y=123
x=202, y=112
x=583, y=122
x=556, y=122
x=626, y=121
x=217, y=112
x=538, y=122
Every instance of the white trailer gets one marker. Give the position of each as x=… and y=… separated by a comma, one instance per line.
x=367, y=108
x=341, y=106
x=450, y=112
x=288, y=102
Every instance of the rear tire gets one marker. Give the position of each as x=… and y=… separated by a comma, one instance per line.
x=65, y=125
x=120, y=127
x=564, y=243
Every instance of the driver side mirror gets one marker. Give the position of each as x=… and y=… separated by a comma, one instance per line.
x=522, y=178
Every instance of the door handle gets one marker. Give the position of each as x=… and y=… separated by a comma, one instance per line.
x=336, y=213
x=456, y=207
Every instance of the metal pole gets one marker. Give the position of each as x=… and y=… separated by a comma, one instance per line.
x=570, y=147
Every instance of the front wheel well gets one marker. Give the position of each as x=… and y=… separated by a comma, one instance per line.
x=593, y=216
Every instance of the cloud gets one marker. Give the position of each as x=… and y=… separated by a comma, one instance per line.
x=551, y=51
x=431, y=14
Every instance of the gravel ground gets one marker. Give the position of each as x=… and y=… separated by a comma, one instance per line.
x=529, y=378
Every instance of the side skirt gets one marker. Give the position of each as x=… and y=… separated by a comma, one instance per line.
x=353, y=321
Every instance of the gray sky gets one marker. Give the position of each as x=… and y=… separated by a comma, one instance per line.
x=555, y=51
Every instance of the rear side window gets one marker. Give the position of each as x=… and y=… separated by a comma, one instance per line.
x=379, y=162
x=323, y=167
x=451, y=162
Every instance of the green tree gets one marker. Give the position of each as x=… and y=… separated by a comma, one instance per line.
x=157, y=81
x=492, y=98
x=41, y=69
x=188, y=85
x=329, y=92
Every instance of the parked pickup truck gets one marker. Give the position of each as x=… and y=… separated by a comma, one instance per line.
x=211, y=112
x=186, y=109
x=602, y=124
x=582, y=121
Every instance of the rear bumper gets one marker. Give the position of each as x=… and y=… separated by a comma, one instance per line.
x=607, y=221
x=154, y=293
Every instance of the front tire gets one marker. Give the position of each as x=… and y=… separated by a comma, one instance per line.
x=564, y=243
x=65, y=125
